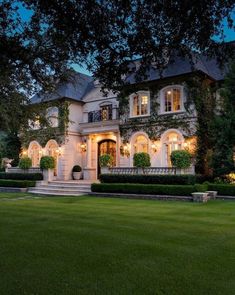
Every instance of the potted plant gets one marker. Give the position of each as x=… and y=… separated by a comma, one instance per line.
x=47, y=164
x=141, y=160
x=105, y=162
x=77, y=172
x=181, y=159
x=25, y=163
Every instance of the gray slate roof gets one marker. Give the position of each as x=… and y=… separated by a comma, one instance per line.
x=179, y=65
x=82, y=87
x=74, y=89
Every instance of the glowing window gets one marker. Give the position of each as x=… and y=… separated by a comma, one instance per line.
x=141, y=144
x=172, y=100
x=139, y=104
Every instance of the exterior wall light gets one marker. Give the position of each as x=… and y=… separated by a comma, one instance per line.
x=154, y=147
x=125, y=150
x=59, y=151
x=83, y=147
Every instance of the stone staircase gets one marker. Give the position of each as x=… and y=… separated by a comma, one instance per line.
x=62, y=188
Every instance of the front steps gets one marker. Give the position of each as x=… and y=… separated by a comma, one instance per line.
x=62, y=188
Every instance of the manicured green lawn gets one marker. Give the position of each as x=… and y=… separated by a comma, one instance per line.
x=90, y=245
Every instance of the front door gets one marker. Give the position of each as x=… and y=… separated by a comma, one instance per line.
x=106, y=146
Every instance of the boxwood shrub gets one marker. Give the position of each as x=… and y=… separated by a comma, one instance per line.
x=25, y=163
x=223, y=189
x=16, y=183
x=21, y=176
x=148, y=179
x=151, y=189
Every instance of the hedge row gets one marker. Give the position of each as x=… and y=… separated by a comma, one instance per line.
x=21, y=176
x=16, y=183
x=222, y=189
x=151, y=189
x=152, y=179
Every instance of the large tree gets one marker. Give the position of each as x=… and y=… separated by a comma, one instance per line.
x=39, y=39
x=223, y=128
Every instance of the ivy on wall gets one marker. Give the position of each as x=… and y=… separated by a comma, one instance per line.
x=46, y=131
x=214, y=132
x=155, y=124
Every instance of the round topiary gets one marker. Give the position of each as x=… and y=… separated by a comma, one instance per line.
x=47, y=162
x=141, y=160
x=105, y=160
x=25, y=163
x=77, y=168
x=181, y=159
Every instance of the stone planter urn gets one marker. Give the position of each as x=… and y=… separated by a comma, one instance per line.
x=48, y=175
x=77, y=172
x=77, y=175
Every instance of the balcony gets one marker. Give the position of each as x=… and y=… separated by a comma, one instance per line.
x=104, y=114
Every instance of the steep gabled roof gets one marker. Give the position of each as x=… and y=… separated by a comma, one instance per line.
x=74, y=88
x=178, y=65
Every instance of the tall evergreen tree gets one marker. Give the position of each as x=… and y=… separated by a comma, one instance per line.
x=224, y=128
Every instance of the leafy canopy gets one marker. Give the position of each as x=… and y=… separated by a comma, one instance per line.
x=40, y=39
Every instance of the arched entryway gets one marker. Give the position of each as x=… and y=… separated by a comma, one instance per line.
x=35, y=153
x=52, y=150
x=171, y=140
x=106, y=146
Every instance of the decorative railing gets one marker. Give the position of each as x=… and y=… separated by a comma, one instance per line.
x=18, y=170
x=103, y=115
x=150, y=170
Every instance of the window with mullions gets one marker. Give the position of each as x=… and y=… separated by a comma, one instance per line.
x=106, y=113
x=172, y=100
x=139, y=104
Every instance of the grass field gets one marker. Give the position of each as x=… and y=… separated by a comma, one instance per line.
x=88, y=245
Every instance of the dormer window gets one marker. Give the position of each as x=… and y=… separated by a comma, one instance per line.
x=172, y=99
x=139, y=104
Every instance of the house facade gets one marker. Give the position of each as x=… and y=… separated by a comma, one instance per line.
x=156, y=115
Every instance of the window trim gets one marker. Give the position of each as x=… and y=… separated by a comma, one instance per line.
x=162, y=99
x=141, y=92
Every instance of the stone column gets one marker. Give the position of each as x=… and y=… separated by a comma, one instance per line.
x=88, y=152
x=117, y=149
x=89, y=171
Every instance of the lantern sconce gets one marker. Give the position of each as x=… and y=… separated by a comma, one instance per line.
x=59, y=151
x=125, y=150
x=24, y=152
x=154, y=147
x=83, y=147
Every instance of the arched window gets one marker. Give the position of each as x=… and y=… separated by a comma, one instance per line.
x=141, y=144
x=52, y=116
x=171, y=141
x=139, y=104
x=52, y=149
x=35, y=153
x=172, y=99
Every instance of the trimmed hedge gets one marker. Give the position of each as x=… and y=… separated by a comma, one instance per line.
x=16, y=183
x=222, y=189
x=21, y=176
x=149, y=189
x=154, y=179
x=148, y=179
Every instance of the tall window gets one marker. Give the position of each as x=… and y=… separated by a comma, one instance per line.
x=172, y=142
x=141, y=144
x=52, y=116
x=171, y=100
x=106, y=113
x=139, y=103
x=35, y=154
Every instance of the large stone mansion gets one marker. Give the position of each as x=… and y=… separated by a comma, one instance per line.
x=147, y=121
